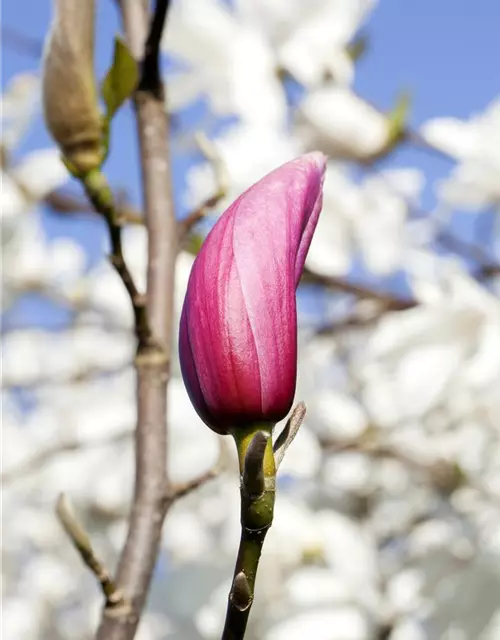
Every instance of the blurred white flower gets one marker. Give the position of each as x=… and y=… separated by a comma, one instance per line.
x=350, y=551
x=48, y=578
x=336, y=121
x=475, y=144
x=310, y=38
x=317, y=47
x=22, y=618
x=228, y=60
x=331, y=623
x=39, y=172
x=209, y=619
x=316, y=586
x=349, y=471
x=404, y=590
x=335, y=415
x=186, y=537
x=154, y=626
x=369, y=218
x=18, y=106
x=27, y=183
x=194, y=447
x=303, y=458
x=415, y=358
x=35, y=357
x=241, y=149
x=294, y=533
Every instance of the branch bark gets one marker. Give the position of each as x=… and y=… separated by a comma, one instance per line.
x=142, y=545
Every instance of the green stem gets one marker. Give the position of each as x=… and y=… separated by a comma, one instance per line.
x=256, y=519
x=100, y=194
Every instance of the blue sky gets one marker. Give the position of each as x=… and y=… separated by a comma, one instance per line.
x=445, y=52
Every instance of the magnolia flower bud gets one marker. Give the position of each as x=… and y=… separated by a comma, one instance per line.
x=69, y=90
x=238, y=331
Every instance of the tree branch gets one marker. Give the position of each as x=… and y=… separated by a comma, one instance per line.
x=151, y=78
x=101, y=197
x=116, y=603
x=64, y=202
x=387, y=300
x=137, y=560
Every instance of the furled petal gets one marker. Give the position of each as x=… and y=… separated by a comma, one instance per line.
x=238, y=334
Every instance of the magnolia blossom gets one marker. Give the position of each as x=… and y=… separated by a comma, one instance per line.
x=334, y=120
x=238, y=333
x=369, y=218
x=454, y=334
x=228, y=61
x=310, y=38
x=233, y=56
x=475, y=144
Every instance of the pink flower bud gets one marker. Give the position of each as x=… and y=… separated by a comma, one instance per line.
x=238, y=331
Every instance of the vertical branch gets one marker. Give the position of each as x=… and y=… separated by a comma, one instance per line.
x=258, y=486
x=142, y=545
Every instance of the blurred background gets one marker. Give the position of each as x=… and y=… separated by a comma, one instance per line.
x=387, y=521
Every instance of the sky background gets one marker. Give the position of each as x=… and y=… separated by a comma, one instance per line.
x=444, y=52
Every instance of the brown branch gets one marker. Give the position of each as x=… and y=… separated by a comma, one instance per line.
x=486, y=266
x=174, y=492
x=100, y=195
x=116, y=603
x=64, y=202
x=151, y=79
x=387, y=300
x=137, y=560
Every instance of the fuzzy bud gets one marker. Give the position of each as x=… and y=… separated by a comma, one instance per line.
x=238, y=331
x=69, y=89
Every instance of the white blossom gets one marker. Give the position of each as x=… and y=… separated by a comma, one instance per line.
x=369, y=217
x=342, y=125
x=227, y=60
x=310, y=38
x=475, y=145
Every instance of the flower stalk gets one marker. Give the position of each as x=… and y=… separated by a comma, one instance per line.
x=258, y=490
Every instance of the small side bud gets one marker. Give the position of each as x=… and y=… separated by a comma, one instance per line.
x=69, y=91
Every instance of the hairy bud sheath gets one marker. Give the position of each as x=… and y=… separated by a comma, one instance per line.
x=69, y=90
x=238, y=332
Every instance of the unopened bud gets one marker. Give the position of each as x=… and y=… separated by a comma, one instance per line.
x=69, y=89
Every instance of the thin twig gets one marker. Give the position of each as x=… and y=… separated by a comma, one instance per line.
x=174, y=492
x=151, y=78
x=387, y=300
x=101, y=196
x=116, y=603
x=473, y=252
x=64, y=202
x=221, y=178
x=138, y=557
